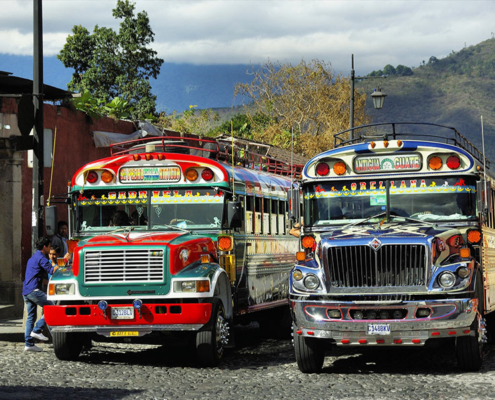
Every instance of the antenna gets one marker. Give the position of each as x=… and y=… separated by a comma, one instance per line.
x=233, y=171
x=485, y=196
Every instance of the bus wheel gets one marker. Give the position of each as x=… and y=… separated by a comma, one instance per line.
x=310, y=353
x=67, y=346
x=212, y=338
x=469, y=349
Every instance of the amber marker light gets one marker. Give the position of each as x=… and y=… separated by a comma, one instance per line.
x=51, y=289
x=399, y=143
x=161, y=157
x=435, y=163
x=191, y=174
x=300, y=256
x=372, y=145
x=464, y=252
x=474, y=236
x=339, y=168
x=136, y=157
x=202, y=286
x=225, y=243
x=148, y=157
x=385, y=143
x=205, y=258
x=308, y=242
x=107, y=176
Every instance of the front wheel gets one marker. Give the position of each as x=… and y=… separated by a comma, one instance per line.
x=310, y=353
x=212, y=338
x=67, y=346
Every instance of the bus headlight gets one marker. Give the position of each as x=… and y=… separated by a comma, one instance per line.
x=65, y=288
x=202, y=286
x=311, y=282
x=446, y=279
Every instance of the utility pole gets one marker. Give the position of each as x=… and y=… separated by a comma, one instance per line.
x=351, y=124
x=38, y=159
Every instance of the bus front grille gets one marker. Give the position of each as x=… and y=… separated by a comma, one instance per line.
x=390, y=265
x=119, y=266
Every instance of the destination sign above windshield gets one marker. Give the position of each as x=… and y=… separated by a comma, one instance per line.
x=149, y=174
x=387, y=163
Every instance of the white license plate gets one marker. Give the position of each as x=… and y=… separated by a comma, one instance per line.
x=378, y=329
x=122, y=313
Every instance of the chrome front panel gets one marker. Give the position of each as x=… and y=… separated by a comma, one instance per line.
x=123, y=265
x=390, y=265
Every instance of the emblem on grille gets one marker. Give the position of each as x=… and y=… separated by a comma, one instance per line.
x=375, y=244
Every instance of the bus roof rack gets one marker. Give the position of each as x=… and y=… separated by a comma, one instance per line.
x=209, y=148
x=379, y=132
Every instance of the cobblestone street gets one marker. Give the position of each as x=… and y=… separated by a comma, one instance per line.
x=257, y=368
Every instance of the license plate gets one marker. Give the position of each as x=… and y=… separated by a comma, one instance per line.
x=122, y=313
x=126, y=333
x=378, y=329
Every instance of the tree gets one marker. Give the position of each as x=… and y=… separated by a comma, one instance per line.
x=308, y=100
x=389, y=70
x=113, y=64
x=197, y=122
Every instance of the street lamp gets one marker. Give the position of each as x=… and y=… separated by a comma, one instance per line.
x=378, y=96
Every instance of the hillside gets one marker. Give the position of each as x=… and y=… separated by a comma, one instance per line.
x=453, y=91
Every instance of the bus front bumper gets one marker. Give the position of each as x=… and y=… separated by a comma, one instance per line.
x=448, y=318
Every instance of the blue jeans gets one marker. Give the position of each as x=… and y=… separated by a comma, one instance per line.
x=32, y=300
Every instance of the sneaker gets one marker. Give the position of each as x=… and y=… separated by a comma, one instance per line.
x=33, y=348
x=39, y=336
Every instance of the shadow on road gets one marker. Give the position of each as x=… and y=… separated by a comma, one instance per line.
x=51, y=392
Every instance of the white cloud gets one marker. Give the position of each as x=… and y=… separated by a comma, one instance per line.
x=238, y=32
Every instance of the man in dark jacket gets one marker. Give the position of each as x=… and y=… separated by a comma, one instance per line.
x=33, y=296
x=60, y=239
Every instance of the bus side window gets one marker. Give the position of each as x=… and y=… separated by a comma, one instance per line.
x=266, y=216
x=257, y=214
x=282, y=207
x=249, y=214
x=273, y=217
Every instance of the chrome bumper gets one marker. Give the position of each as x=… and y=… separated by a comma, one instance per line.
x=449, y=318
x=123, y=330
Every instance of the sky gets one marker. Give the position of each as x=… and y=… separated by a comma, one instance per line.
x=251, y=32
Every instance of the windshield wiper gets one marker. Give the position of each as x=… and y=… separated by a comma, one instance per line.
x=171, y=227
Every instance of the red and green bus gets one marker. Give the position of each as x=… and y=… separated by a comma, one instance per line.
x=174, y=238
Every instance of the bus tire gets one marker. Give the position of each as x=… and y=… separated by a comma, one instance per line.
x=67, y=345
x=212, y=338
x=310, y=353
x=469, y=349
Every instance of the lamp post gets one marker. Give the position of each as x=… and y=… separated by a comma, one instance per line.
x=378, y=96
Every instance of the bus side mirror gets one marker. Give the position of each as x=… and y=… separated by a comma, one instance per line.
x=234, y=214
x=484, y=199
x=294, y=205
x=51, y=220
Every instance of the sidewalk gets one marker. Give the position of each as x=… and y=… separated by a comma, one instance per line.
x=11, y=330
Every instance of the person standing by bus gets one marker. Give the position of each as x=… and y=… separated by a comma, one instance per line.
x=60, y=239
x=33, y=296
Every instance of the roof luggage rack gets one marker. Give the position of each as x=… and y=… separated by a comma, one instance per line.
x=452, y=136
x=208, y=148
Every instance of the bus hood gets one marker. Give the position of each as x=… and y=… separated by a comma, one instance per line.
x=136, y=238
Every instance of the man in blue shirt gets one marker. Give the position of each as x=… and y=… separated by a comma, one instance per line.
x=33, y=296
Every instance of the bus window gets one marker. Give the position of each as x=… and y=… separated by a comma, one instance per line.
x=257, y=214
x=266, y=216
x=273, y=217
x=282, y=207
x=249, y=214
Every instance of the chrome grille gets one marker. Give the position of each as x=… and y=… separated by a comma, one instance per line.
x=114, y=266
x=390, y=265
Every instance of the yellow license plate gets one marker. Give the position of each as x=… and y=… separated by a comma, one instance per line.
x=125, y=333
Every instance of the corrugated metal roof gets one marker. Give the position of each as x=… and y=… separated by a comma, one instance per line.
x=17, y=86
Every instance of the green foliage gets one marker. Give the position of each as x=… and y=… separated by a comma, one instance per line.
x=197, y=122
x=400, y=70
x=113, y=64
x=118, y=108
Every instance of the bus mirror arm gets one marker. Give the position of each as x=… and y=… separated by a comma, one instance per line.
x=234, y=214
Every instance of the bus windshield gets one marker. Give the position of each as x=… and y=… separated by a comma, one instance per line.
x=432, y=199
x=149, y=209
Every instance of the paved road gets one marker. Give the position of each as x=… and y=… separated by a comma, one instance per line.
x=257, y=368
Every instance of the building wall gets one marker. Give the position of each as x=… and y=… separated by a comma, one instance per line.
x=73, y=148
